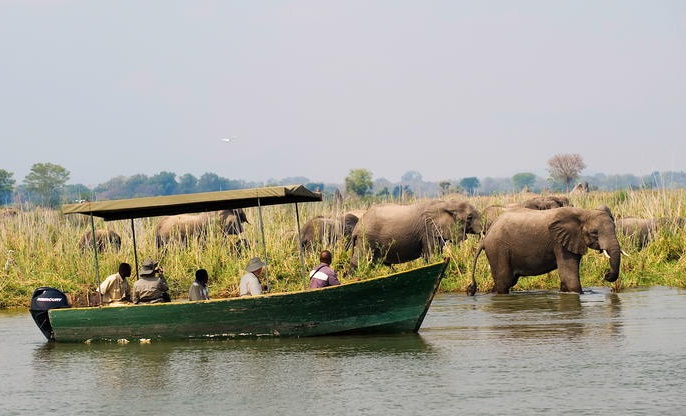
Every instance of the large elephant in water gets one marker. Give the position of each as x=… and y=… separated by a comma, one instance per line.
x=393, y=233
x=103, y=239
x=184, y=227
x=525, y=242
x=322, y=230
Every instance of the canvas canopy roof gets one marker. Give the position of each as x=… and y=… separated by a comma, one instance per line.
x=188, y=203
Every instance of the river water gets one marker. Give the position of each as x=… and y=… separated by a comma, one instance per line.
x=520, y=354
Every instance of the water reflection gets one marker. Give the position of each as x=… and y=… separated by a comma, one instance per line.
x=158, y=365
x=544, y=316
x=490, y=354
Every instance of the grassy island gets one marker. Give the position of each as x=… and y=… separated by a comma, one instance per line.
x=39, y=247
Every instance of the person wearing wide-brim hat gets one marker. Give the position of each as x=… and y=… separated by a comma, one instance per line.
x=250, y=282
x=151, y=286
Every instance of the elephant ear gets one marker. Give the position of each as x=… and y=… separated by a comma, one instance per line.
x=566, y=230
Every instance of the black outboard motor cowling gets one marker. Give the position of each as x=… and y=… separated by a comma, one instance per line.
x=44, y=299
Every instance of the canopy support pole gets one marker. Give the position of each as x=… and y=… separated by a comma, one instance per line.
x=135, y=248
x=300, y=248
x=95, y=256
x=264, y=243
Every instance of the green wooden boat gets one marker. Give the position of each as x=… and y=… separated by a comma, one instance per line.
x=395, y=303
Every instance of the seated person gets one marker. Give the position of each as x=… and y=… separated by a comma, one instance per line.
x=250, y=282
x=151, y=286
x=198, y=289
x=323, y=275
x=115, y=288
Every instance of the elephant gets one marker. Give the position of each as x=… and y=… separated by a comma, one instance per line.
x=394, y=233
x=232, y=221
x=489, y=215
x=491, y=212
x=643, y=230
x=183, y=227
x=327, y=230
x=542, y=202
x=103, y=238
x=580, y=188
x=524, y=242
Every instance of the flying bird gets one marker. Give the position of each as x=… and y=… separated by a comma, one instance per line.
x=229, y=140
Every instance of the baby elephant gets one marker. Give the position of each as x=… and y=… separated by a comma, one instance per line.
x=525, y=242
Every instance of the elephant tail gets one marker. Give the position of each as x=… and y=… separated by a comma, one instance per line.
x=471, y=289
x=350, y=246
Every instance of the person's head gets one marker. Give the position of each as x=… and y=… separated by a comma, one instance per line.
x=255, y=266
x=201, y=276
x=148, y=268
x=325, y=257
x=124, y=270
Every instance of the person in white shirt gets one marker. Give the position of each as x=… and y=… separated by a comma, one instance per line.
x=198, y=290
x=115, y=288
x=250, y=282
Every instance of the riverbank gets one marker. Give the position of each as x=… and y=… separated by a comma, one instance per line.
x=40, y=248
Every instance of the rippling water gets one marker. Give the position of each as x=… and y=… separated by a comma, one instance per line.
x=520, y=354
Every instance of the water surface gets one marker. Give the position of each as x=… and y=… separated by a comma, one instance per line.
x=520, y=354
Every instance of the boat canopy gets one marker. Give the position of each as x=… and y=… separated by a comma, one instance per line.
x=154, y=206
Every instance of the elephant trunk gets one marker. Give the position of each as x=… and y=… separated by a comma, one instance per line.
x=615, y=254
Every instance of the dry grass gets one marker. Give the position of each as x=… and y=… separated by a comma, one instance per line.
x=39, y=248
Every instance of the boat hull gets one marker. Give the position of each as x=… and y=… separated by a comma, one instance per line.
x=396, y=303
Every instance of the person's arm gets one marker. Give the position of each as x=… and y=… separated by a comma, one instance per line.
x=254, y=287
x=163, y=284
x=105, y=286
x=135, y=296
x=333, y=278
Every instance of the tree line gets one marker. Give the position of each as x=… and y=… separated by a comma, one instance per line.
x=46, y=184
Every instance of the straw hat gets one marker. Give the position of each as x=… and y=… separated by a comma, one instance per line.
x=254, y=264
x=148, y=267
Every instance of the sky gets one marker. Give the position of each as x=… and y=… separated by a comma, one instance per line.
x=311, y=88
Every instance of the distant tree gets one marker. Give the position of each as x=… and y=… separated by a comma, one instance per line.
x=402, y=191
x=209, y=182
x=445, y=187
x=524, y=180
x=164, y=183
x=6, y=187
x=470, y=184
x=359, y=182
x=566, y=168
x=45, y=181
x=384, y=192
x=411, y=176
x=78, y=192
x=187, y=184
x=115, y=188
x=138, y=185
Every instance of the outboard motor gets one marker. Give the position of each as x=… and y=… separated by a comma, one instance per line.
x=44, y=299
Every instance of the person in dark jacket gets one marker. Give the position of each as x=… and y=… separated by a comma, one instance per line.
x=323, y=275
x=151, y=286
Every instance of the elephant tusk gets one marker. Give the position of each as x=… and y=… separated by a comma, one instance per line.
x=622, y=251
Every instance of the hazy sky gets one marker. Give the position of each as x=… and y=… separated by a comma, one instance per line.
x=450, y=89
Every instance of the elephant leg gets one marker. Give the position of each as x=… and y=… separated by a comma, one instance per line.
x=568, y=269
x=504, y=280
x=502, y=272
